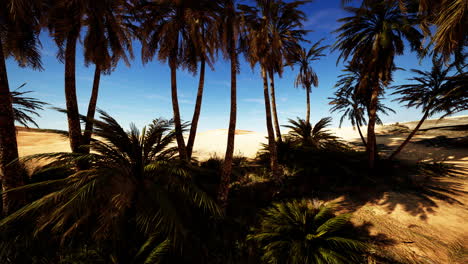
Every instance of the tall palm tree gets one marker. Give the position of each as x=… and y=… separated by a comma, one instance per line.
x=305, y=231
x=431, y=91
x=65, y=22
x=19, y=29
x=228, y=21
x=171, y=29
x=107, y=40
x=372, y=37
x=254, y=33
x=306, y=78
x=449, y=17
x=285, y=32
x=206, y=27
x=134, y=189
x=352, y=103
x=24, y=107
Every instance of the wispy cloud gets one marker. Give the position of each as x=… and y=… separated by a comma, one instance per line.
x=220, y=83
x=254, y=100
x=158, y=97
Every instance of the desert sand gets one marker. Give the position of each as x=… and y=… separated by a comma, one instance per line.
x=419, y=228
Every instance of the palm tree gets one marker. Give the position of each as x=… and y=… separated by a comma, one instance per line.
x=65, y=22
x=107, y=40
x=24, y=108
x=305, y=231
x=373, y=36
x=19, y=29
x=304, y=134
x=285, y=32
x=306, y=76
x=133, y=189
x=173, y=30
x=431, y=91
x=228, y=20
x=352, y=103
x=207, y=30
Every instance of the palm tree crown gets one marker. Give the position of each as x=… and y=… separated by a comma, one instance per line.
x=305, y=231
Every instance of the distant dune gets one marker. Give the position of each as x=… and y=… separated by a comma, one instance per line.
x=213, y=142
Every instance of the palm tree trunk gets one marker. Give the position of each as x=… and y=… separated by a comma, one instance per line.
x=8, y=144
x=371, y=139
x=196, y=112
x=273, y=107
x=74, y=127
x=223, y=192
x=360, y=134
x=308, y=105
x=175, y=108
x=91, y=108
x=407, y=140
x=271, y=135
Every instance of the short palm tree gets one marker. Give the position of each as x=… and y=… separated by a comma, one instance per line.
x=306, y=78
x=306, y=232
x=133, y=189
x=372, y=36
x=24, y=107
x=303, y=133
x=433, y=92
x=19, y=30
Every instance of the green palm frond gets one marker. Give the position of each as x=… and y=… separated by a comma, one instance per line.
x=316, y=136
x=304, y=231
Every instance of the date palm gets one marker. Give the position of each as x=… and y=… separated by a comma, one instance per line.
x=172, y=30
x=306, y=232
x=133, y=189
x=317, y=136
x=107, y=40
x=433, y=92
x=306, y=78
x=285, y=33
x=372, y=36
x=19, y=29
x=228, y=30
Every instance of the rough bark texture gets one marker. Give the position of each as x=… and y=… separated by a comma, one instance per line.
x=271, y=135
x=196, y=112
x=73, y=116
x=11, y=176
x=371, y=139
x=175, y=108
x=273, y=107
x=91, y=109
x=407, y=140
x=308, y=105
x=223, y=192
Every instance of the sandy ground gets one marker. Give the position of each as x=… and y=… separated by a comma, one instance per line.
x=419, y=229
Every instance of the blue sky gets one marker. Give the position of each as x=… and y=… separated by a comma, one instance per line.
x=141, y=93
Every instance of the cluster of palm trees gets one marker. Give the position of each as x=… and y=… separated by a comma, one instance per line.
x=189, y=35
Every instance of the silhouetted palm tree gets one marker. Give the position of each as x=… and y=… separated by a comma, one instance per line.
x=306, y=78
x=132, y=189
x=228, y=30
x=171, y=29
x=305, y=231
x=285, y=32
x=24, y=108
x=107, y=40
x=433, y=92
x=19, y=29
x=373, y=36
